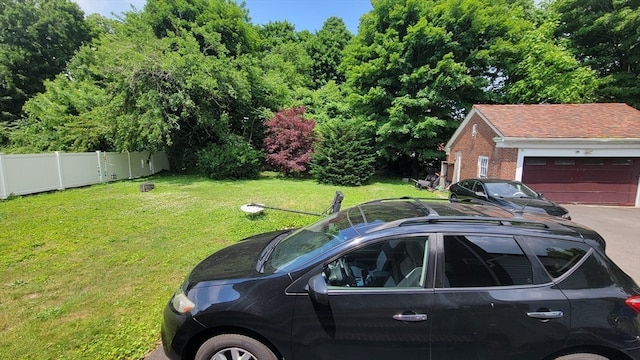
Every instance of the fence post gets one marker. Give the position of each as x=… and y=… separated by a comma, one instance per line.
x=59, y=166
x=151, y=158
x=99, y=167
x=3, y=179
x=129, y=162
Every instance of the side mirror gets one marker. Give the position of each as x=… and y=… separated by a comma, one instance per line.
x=318, y=290
x=482, y=195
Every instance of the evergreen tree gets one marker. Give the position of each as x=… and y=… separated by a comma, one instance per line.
x=344, y=155
x=326, y=51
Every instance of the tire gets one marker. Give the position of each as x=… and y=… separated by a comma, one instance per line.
x=234, y=347
x=582, y=356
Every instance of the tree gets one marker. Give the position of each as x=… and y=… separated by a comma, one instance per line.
x=603, y=35
x=326, y=51
x=545, y=72
x=179, y=92
x=329, y=103
x=408, y=76
x=68, y=116
x=289, y=141
x=344, y=155
x=220, y=27
x=417, y=66
x=276, y=33
x=37, y=38
x=285, y=61
x=233, y=159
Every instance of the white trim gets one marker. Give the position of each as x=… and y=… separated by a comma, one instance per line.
x=569, y=143
x=483, y=164
x=457, y=166
x=463, y=124
x=638, y=194
x=519, y=166
x=578, y=152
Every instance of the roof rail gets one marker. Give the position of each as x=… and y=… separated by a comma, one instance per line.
x=430, y=219
x=415, y=199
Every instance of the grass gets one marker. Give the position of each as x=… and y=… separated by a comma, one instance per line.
x=86, y=272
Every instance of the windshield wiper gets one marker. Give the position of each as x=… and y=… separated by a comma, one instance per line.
x=266, y=252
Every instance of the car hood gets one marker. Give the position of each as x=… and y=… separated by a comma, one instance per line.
x=550, y=207
x=237, y=261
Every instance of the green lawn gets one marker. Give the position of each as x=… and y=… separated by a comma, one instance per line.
x=86, y=272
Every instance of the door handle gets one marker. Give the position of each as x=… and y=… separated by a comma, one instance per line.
x=545, y=315
x=410, y=317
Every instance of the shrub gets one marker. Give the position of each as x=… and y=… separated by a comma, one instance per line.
x=235, y=159
x=289, y=141
x=344, y=155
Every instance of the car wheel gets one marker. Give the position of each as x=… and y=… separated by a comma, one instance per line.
x=234, y=347
x=582, y=356
x=453, y=197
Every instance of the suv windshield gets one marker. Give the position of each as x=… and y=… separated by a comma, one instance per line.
x=309, y=241
x=315, y=239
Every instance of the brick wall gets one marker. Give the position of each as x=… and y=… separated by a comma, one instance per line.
x=502, y=162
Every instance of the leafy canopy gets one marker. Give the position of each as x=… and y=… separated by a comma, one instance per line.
x=37, y=38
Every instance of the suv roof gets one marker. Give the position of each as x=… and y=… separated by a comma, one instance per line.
x=391, y=213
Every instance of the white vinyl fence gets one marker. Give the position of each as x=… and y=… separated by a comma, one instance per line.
x=33, y=173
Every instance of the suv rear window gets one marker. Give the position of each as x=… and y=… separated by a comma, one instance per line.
x=594, y=273
x=557, y=256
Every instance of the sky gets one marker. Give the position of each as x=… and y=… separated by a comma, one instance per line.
x=303, y=14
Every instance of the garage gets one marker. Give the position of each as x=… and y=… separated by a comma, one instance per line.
x=572, y=153
x=586, y=180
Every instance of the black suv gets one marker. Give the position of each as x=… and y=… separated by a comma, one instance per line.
x=409, y=279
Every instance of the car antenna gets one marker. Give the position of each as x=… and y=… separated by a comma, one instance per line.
x=521, y=211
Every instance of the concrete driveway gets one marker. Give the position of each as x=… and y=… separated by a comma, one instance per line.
x=619, y=226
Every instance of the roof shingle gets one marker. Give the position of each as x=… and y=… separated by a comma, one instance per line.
x=601, y=120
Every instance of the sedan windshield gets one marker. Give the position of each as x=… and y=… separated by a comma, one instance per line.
x=511, y=189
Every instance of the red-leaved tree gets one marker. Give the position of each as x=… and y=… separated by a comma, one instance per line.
x=289, y=141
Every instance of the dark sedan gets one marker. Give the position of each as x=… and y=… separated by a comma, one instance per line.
x=409, y=279
x=509, y=194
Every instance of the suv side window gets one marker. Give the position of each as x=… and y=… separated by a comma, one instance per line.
x=390, y=263
x=557, y=256
x=480, y=261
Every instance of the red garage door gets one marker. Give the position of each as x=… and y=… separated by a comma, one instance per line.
x=606, y=181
